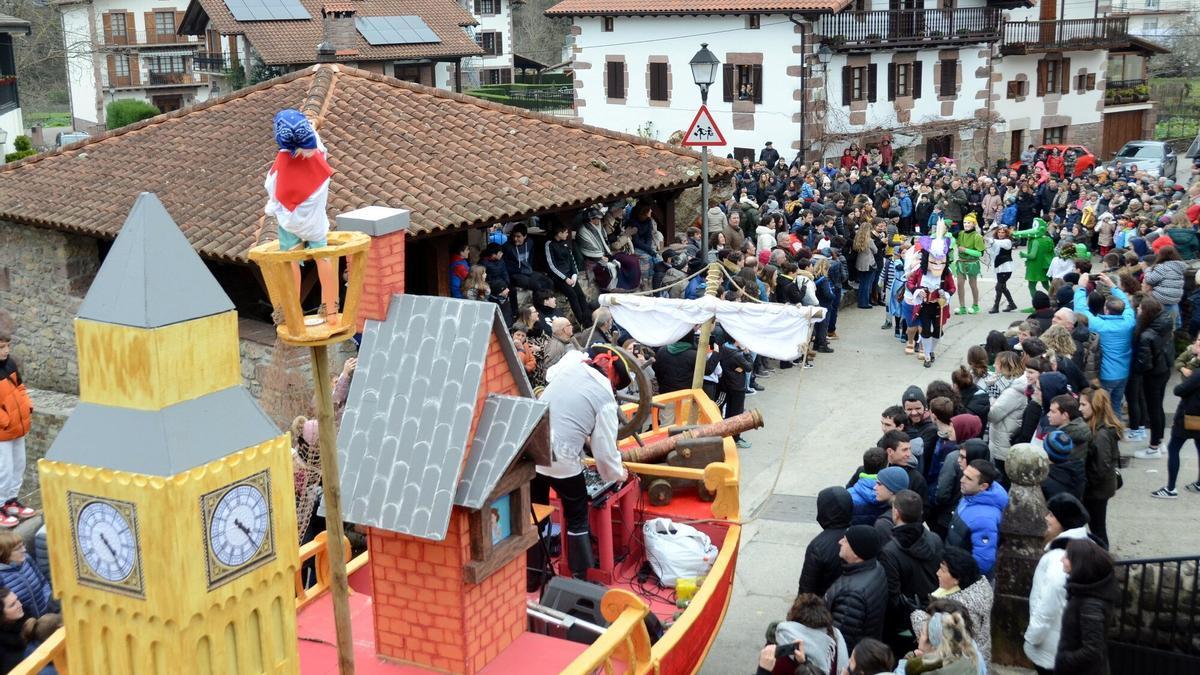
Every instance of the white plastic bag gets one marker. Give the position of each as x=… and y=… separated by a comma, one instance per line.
x=676, y=550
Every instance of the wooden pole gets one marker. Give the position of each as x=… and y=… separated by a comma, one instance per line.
x=332, y=498
x=712, y=284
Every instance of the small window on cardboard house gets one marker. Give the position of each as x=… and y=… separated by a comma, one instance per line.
x=501, y=530
x=501, y=519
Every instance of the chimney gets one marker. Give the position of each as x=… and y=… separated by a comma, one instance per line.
x=340, y=36
x=384, y=275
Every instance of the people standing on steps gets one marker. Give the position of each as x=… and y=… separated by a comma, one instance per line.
x=1091, y=594
x=1115, y=328
x=1153, y=356
x=1103, y=459
x=1182, y=431
x=1066, y=520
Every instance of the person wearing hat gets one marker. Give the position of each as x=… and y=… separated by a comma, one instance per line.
x=583, y=411
x=969, y=249
x=1043, y=312
x=1066, y=520
x=858, y=599
x=1067, y=476
x=769, y=156
x=888, y=482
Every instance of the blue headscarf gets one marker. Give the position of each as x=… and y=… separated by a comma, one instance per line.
x=293, y=131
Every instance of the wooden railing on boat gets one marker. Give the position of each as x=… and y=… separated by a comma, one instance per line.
x=626, y=641
x=54, y=650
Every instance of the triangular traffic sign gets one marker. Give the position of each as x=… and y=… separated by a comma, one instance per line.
x=703, y=131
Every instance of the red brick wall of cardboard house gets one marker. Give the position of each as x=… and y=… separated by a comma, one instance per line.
x=497, y=379
x=426, y=614
x=384, y=276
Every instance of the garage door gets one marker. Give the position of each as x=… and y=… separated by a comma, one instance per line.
x=1119, y=129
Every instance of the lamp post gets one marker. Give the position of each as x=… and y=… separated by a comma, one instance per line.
x=704, y=72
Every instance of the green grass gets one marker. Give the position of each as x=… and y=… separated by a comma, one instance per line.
x=52, y=119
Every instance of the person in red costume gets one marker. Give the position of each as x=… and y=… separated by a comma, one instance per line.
x=297, y=192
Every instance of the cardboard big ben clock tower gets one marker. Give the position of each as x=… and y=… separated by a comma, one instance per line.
x=168, y=495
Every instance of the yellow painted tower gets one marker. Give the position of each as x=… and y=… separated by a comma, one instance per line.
x=168, y=494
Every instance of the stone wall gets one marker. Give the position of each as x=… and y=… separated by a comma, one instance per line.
x=44, y=275
x=50, y=411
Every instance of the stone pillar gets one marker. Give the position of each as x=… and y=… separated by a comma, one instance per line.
x=1022, y=530
x=385, y=260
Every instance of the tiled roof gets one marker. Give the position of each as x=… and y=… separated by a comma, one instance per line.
x=613, y=7
x=504, y=425
x=295, y=42
x=408, y=416
x=455, y=161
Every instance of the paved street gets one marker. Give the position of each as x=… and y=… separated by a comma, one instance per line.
x=818, y=423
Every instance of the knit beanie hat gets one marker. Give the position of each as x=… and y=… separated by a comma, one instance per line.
x=1041, y=300
x=976, y=448
x=1058, y=446
x=913, y=393
x=893, y=478
x=1064, y=297
x=1068, y=510
x=863, y=540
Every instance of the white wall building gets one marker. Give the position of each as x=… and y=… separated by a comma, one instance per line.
x=128, y=49
x=494, y=36
x=12, y=124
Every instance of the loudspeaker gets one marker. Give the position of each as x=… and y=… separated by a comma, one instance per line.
x=579, y=599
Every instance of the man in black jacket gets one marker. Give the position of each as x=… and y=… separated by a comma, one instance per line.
x=518, y=258
x=910, y=561
x=858, y=599
x=560, y=257
x=675, y=363
x=899, y=453
x=920, y=423
x=822, y=564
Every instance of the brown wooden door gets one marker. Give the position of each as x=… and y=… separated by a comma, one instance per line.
x=1119, y=129
x=1015, y=145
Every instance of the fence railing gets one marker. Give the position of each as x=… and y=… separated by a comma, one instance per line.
x=541, y=98
x=862, y=30
x=1023, y=37
x=204, y=62
x=143, y=39
x=158, y=79
x=1156, y=623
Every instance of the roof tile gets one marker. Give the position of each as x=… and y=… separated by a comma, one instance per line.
x=391, y=143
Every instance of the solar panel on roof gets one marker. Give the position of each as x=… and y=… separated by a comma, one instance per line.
x=267, y=10
x=395, y=30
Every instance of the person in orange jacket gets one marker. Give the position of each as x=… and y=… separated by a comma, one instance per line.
x=16, y=412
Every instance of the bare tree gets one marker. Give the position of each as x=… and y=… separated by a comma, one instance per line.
x=41, y=56
x=537, y=36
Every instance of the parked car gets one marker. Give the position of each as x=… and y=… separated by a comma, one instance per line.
x=1154, y=157
x=1085, y=161
x=66, y=138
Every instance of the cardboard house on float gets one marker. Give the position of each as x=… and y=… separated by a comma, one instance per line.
x=437, y=448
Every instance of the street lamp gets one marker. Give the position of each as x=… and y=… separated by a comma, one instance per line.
x=704, y=72
x=824, y=54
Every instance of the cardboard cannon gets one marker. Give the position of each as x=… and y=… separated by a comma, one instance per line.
x=692, y=447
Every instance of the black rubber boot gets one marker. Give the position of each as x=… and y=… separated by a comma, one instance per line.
x=579, y=554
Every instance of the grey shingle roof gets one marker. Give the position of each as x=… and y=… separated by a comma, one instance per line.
x=504, y=426
x=152, y=276
x=408, y=415
x=163, y=442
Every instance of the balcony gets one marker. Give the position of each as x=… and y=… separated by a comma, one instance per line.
x=154, y=79
x=933, y=28
x=204, y=62
x=1033, y=37
x=142, y=39
x=1117, y=92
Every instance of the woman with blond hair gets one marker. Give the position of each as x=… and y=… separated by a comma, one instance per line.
x=945, y=647
x=1004, y=417
x=1103, y=458
x=1061, y=347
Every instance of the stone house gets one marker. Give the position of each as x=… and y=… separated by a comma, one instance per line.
x=457, y=163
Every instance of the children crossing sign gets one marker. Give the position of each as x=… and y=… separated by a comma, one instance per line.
x=703, y=131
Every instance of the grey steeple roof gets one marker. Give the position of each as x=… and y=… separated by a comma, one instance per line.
x=152, y=277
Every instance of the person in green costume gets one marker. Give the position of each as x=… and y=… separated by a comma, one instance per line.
x=1037, y=256
x=968, y=247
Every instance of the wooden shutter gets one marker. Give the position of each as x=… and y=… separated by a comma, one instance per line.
x=135, y=72
x=179, y=22
x=891, y=87
x=1041, y=78
x=1065, y=79
x=847, y=77
x=915, y=84
x=658, y=81
x=872, y=76
x=758, y=83
x=728, y=82
x=112, y=70
x=151, y=31
x=1091, y=82
x=949, y=79
x=106, y=18
x=499, y=44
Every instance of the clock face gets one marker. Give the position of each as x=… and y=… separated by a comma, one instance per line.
x=240, y=524
x=238, y=528
x=107, y=550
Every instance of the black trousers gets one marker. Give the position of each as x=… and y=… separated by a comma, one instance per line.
x=1154, y=389
x=931, y=320
x=533, y=281
x=572, y=492
x=1002, y=288
x=1097, y=517
x=735, y=403
x=578, y=301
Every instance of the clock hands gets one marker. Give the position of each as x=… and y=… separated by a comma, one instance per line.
x=245, y=530
x=109, y=546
